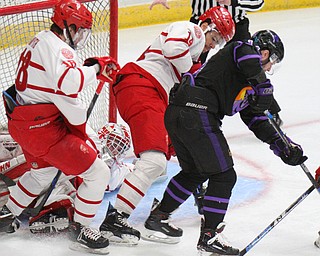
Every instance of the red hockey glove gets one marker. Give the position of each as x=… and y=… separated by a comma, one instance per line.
x=108, y=67
x=317, y=174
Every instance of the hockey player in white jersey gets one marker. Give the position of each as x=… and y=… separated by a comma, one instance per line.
x=48, y=121
x=141, y=93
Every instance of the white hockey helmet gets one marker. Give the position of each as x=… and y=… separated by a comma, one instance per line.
x=115, y=139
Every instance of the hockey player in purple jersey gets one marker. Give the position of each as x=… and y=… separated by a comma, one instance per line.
x=232, y=81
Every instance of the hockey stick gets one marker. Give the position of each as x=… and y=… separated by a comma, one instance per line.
x=277, y=220
x=285, y=140
x=8, y=166
x=95, y=97
x=36, y=210
x=9, y=182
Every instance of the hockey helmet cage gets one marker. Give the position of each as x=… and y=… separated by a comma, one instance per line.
x=115, y=139
x=220, y=19
x=72, y=12
x=269, y=40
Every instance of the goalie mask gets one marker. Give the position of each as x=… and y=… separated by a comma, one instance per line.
x=115, y=139
x=72, y=13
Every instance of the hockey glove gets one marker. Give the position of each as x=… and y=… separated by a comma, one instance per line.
x=108, y=68
x=290, y=155
x=263, y=97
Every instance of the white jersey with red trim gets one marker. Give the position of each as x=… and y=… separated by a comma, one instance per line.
x=173, y=53
x=49, y=72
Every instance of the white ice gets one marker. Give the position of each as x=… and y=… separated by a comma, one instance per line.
x=266, y=186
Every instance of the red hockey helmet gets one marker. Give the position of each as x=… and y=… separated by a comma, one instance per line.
x=72, y=12
x=220, y=19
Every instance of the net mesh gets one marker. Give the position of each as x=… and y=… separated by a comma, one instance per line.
x=19, y=28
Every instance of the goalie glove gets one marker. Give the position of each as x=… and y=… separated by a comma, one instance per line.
x=263, y=96
x=108, y=67
x=289, y=155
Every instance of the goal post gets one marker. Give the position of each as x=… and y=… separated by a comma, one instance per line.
x=21, y=20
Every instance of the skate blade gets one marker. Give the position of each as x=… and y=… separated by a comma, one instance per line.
x=125, y=239
x=75, y=246
x=204, y=253
x=158, y=237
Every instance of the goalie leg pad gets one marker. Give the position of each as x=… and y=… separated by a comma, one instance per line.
x=53, y=218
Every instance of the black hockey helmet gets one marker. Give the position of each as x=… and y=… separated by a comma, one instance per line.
x=269, y=40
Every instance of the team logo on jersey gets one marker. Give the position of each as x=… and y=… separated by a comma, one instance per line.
x=34, y=165
x=84, y=149
x=197, y=31
x=34, y=42
x=241, y=100
x=67, y=53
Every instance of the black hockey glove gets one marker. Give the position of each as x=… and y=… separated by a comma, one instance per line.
x=263, y=97
x=289, y=155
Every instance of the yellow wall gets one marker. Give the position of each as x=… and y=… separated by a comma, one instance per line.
x=140, y=15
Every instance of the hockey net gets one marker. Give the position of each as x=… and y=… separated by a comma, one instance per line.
x=21, y=20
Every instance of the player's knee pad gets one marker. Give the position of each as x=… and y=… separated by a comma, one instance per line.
x=150, y=165
x=98, y=172
x=40, y=178
x=227, y=178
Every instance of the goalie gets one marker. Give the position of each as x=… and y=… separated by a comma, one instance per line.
x=113, y=142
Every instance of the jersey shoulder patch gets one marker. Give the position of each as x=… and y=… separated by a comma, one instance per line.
x=67, y=53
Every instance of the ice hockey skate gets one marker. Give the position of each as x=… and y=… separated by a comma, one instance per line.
x=8, y=222
x=159, y=229
x=87, y=239
x=213, y=243
x=317, y=242
x=116, y=228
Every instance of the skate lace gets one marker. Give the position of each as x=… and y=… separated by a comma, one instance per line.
x=123, y=221
x=221, y=239
x=90, y=233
